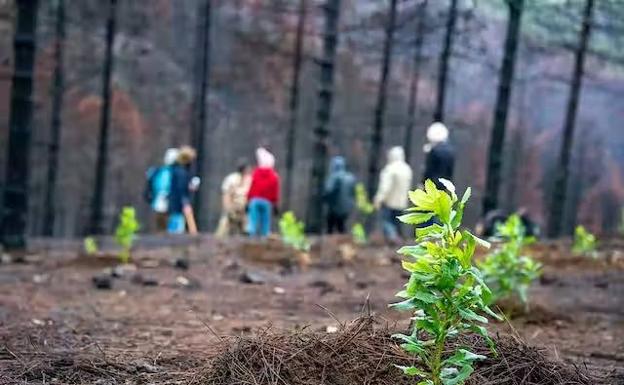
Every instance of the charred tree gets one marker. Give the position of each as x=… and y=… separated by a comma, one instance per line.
x=294, y=103
x=58, y=88
x=200, y=108
x=15, y=202
x=558, y=198
x=505, y=85
x=97, y=204
x=314, y=217
x=413, y=91
x=445, y=57
x=380, y=109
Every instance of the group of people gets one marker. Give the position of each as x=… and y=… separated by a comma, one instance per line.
x=395, y=181
x=251, y=195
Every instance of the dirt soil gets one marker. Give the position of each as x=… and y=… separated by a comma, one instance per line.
x=161, y=324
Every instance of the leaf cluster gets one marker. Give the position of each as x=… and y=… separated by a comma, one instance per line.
x=359, y=234
x=90, y=245
x=585, y=243
x=362, y=202
x=506, y=271
x=445, y=291
x=125, y=233
x=293, y=232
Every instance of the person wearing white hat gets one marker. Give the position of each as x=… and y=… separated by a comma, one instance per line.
x=158, y=188
x=440, y=155
x=391, y=198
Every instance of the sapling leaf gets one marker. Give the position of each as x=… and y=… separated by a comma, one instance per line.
x=415, y=218
x=412, y=371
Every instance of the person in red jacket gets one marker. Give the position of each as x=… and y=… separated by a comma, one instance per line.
x=263, y=195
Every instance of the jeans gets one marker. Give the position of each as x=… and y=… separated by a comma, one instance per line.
x=260, y=211
x=176, y=223
x=390, y=224
x=336, y=223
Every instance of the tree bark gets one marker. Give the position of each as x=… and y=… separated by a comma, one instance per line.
x=380, y=109
x=15, y=203
x=562, y=172
x=97, y=203
x=294, y=103
x=314, y=217
x=505, y=85
x=200, y=114
x=413, y=91
x=445, y=57
x=58, y=89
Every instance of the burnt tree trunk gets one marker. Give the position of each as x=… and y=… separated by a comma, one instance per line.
x=15, y=202
x=445, y=57
x=413, y=91
x=380, y=109
x=58, y=89
x=314, y=217
x=558, y=198
x=294, y=103
x=505, y=85
x=200, y=109
x=97, y=203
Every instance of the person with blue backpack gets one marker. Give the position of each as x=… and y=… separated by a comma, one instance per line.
x=158, y=188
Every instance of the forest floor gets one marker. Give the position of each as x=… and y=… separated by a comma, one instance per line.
x=162, y=324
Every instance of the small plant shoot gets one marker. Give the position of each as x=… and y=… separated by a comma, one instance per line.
x=125, y=233
x=90, y=246
x=585, y=243
x=364, y=208
x=445, y=291
x=506, y=271
x=293, y=232
x=359, y=234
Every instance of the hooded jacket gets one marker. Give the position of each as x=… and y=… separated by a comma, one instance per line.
x=339, y=191
x=265, y=183
x=395, y=181
x=440, y=163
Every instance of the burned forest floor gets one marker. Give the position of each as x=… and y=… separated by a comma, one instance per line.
x=166, y=316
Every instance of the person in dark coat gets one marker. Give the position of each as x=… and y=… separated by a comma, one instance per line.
x=180, y=210
x=440, y=155
x=339, y=195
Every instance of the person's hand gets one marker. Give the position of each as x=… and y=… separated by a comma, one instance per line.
x=377, y=205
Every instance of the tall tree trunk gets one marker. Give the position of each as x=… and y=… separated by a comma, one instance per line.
x=314, y=217
x=200, y=108
x=562, y=172
x=97, y=204
x=55, y=125
x=380, y=109
x=15, y=211
x=445, y=56
x=505, y=85
x=294, y=103
x=413, y=91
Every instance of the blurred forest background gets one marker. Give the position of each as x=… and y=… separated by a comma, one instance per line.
x=251, y=65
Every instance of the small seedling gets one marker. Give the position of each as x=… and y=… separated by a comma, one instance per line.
x=292, y=232
x=585, y=243
x=445, y=292
x=505, y=270
x=126, y=232
x=359, y=234
x=364, y=209
x=90, y=246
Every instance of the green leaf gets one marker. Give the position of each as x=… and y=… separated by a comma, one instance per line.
x=466, y=196
x=412, y=251
x=460, y=377
x=468, y=314
x=406, y=305
x=415, y=218
x=412, y=371
x=449, y=186
x=462, y=357
x=426, y=297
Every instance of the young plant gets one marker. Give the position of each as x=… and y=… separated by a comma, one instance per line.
x=445, y=292
x=505, y=270
x=359, y=234
x=125, y=232
x=292, y=232
x=90, y=246
x=364, y=208
x=585, y=243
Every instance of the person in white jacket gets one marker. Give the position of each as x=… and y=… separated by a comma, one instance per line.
x=395, y=181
